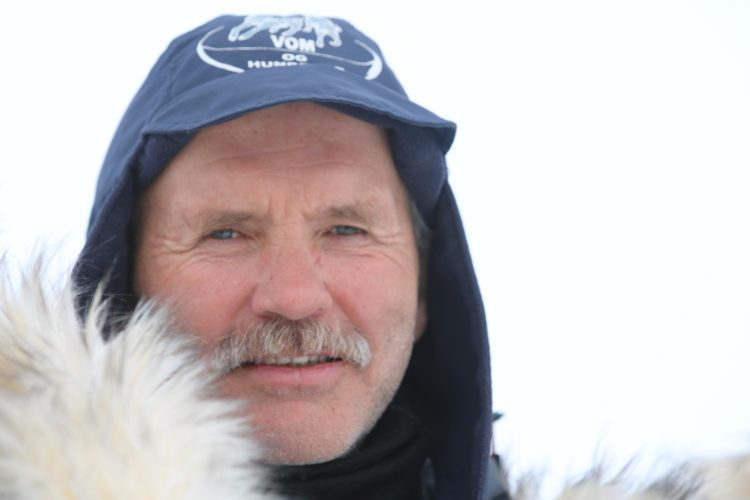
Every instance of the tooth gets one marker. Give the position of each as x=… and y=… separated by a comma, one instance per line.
x=293, y=361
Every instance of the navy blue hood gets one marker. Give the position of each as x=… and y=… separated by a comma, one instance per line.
x=233, y=65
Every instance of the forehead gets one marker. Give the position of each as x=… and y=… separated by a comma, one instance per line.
x=299, y=145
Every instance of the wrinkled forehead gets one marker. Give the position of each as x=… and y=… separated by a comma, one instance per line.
x=301, y=149
x=288, y=141
x=309, y=128
x=421, y=171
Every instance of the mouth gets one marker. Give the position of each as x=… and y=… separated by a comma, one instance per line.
x=294, y=362
x=290, y=376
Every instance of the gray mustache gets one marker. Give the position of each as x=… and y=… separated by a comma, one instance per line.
x=281, y=337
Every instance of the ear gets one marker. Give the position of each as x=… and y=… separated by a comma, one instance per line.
x=421, y=320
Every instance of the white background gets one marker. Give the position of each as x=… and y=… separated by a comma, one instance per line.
x=602, y=166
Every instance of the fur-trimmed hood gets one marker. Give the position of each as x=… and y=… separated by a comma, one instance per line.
x=723, y=479
x=132, y=418
x=137, y=417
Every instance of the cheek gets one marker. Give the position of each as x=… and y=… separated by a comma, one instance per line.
x=204, y=298
x=372, y=292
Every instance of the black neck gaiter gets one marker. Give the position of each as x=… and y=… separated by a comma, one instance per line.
x=387, y=465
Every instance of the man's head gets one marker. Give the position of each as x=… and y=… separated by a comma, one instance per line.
x=292, y=215
x=308, y=223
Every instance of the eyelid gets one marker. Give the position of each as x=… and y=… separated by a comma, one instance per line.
x=348, y=230
x=214, y=234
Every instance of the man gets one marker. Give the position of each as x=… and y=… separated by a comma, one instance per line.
x=270, y=182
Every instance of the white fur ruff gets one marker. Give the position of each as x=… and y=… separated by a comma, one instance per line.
x=137, y=417
x=725, y=479
x=132, y=418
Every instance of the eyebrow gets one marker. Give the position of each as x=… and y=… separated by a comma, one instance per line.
x=359, y=212
x=229, y=218
x=365, y=213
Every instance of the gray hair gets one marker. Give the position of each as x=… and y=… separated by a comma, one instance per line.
x=284, y=338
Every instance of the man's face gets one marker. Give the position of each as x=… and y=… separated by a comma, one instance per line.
x=293, y=212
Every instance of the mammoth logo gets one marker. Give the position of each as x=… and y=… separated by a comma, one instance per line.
x=287, y=42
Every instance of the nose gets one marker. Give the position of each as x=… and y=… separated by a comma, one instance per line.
x=292, y=286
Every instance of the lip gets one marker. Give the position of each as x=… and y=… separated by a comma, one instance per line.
x=290, y=380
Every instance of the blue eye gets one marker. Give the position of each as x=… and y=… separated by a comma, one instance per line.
x=346, y=230
x=223, y=234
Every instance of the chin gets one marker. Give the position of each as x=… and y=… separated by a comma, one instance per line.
x=312, y=446
x=303, y=429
